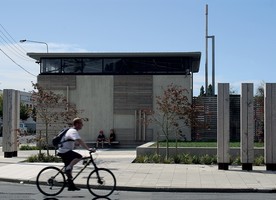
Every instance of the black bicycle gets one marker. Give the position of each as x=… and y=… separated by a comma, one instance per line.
x=101, y=182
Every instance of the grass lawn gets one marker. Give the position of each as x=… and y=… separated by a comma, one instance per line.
x=204, y=144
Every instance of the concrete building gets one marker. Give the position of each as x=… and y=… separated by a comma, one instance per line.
x=113, y=89
x=25, y=99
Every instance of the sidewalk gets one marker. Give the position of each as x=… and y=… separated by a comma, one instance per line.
x=151, y=177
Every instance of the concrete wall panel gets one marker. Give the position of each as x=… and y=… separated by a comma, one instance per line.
x=223, y=130
x=94, y=95
x=270, y=125
x=160, y=83
x=11, y=111
x=247, y=123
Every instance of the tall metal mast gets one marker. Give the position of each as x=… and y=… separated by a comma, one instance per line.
x=206, y=61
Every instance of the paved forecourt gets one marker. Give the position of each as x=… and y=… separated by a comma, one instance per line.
x=150, y=177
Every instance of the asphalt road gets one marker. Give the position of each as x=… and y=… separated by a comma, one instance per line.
x=16, y=191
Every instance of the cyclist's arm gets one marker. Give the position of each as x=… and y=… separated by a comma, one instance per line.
x=82, y=143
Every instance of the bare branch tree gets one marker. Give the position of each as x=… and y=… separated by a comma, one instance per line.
x=173, y=112
x=52, y=108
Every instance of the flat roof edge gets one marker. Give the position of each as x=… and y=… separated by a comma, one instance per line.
x=37, y=56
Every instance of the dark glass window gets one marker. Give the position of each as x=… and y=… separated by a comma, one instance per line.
x=141, y=65
x=114, y=65
x=72, y=65
x=127, y=65
x=169, y=64
x=92, y=65
x=50, y=66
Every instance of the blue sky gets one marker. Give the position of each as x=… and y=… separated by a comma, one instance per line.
x=244, y=32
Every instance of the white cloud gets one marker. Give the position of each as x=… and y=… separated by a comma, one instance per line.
x=54, y=47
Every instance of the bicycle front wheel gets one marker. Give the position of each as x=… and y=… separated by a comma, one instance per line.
x=101, y=182
x=50, y=181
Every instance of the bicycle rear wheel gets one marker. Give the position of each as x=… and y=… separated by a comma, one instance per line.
x=50, y=181
x=101, y=182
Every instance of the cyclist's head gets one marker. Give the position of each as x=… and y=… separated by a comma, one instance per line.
x=77, y=122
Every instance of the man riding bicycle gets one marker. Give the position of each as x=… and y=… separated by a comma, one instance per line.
x=65, y=150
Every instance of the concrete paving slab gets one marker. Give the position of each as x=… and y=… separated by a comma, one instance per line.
x=150, y=176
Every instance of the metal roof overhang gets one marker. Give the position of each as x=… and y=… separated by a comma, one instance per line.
x=194, y=56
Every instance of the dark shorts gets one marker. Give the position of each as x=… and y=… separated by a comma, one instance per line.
x=69, y=156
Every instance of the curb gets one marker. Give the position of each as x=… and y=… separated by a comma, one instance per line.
x=160, y=189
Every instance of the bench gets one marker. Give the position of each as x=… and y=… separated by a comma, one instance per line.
x=105, y=142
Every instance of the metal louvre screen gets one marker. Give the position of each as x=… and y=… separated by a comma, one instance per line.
x=132, y=93
x=207, y=107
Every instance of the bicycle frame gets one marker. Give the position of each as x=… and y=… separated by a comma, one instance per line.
x=105, y=179
x=90, y=160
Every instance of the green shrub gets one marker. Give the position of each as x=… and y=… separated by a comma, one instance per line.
x=28, y=147
x=168, y=161
x=235, y=160
x=201, y=144
x=177, y=159
x=195, y=159
x=259, y=161
x=208, y=159
x=146, y=159
x=192, y=159
x=139, y=159
x=156, y=158
x=186, y=159
x=43, y=158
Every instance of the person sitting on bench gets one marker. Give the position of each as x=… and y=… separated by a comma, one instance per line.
x=112, y=136
x=101, y=138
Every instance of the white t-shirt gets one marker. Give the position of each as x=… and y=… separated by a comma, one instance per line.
x=68, y=145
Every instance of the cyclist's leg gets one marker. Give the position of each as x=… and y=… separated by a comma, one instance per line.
x=72, y=159
x=66, y=159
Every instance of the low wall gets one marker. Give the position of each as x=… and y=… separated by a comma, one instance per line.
x=146, y=149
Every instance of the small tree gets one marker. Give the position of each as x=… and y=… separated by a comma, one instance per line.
x=232, y=91
x=210, y=90
x=24, y=111
x=173, y=112
x=52, y=108
x=259, y=112
x=202, y=92
x=33, y=113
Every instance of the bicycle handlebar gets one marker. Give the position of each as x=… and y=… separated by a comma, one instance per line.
x=90, y=154
x=92, y=150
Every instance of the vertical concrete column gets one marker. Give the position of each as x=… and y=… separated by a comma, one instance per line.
x=11, y=111
x=270, y=125
x=223, y=126
x=247, y=126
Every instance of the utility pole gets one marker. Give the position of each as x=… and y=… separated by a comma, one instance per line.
x=213, y=63
x=213, y=57
x=206, y=58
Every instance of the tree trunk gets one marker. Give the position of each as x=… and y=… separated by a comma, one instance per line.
x=39, y=139
x=46, y=138
x=167, y=138
x=176, y=143
x=167, y=148
x=157, y=144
